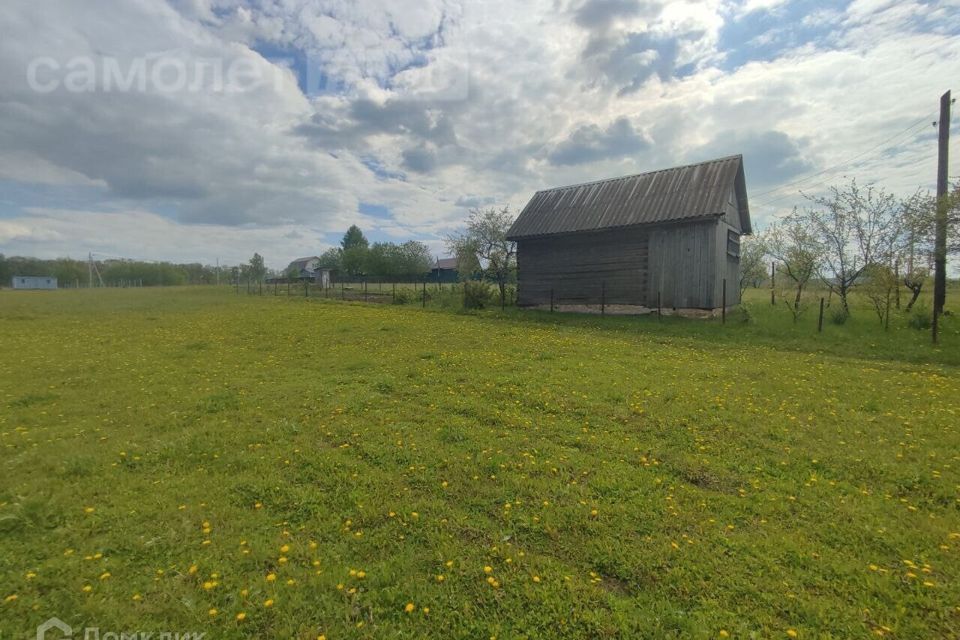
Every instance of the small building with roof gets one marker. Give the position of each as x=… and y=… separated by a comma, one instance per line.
x=33, y=282
x=444, y=270
x=308, y=269
x=668, y=238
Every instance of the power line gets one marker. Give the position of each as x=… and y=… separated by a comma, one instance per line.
x=899, y=137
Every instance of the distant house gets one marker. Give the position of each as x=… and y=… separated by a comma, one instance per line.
x=444, y=270
x=670, y=237
x=34, y=282
x=309, y=269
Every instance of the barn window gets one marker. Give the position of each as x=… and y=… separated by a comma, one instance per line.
x=733, y=244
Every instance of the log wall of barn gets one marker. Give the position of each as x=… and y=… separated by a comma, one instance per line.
x=580, y=268
x=625, y=266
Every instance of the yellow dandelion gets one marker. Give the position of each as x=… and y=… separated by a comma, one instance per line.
x=440, y=578
x=192, y=570
x=285, y=548
x=792, y=633
x=410, y=607
x=724, y=634
x=268, y=603
x=241, y=616
x=271, y=577
x=11, y=598
x=87, y=588
x=426, y=610
x=212, y=613
x=488, y=569
x=137, y=597
x=536, y=579
x=88, y=509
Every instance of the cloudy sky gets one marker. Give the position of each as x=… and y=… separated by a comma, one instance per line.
x=193, y=130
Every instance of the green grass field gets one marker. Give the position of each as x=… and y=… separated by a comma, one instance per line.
x=194, y=460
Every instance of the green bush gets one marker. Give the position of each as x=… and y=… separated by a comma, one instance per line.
x=920, y=318
x=839, y=316
x=403, y=296
x=476, y=295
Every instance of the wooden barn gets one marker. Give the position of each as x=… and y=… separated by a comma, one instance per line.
x=621, y=242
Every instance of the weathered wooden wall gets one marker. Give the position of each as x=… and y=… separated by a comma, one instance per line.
x=580, y=268
x=727, y=266
x=683, y=266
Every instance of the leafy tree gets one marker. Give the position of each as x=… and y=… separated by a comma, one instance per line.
x=414, y=258
x=257, y=270
x=331, y=259
x=914, y=249
x=855, y=227
x=485, y=242
x=879, y=283
x=353, y=239
x=799, y=253
x=753, y=263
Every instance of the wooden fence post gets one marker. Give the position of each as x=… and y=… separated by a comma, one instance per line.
x=659, y=308
x=394, y=293
x=603, y=298
x=306, y=289
x=551, y=300
x=423, y=305
x=820, y=318
x=773, y=283
x=342, y=294
x=723, y=301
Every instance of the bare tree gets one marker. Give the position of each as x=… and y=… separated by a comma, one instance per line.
x=799, y=253
x=855, y=227
x=485, y=239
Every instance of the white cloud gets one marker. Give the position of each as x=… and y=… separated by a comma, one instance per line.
x=595, y=79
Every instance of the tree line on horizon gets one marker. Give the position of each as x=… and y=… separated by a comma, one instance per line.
x=70, y=272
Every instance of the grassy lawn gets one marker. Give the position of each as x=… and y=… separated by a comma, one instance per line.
x=194, y=460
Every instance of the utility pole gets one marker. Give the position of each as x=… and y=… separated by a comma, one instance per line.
x=940, y=242
x=218, y=272
x=90, y=271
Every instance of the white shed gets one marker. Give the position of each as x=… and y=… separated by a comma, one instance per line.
x=34, y=282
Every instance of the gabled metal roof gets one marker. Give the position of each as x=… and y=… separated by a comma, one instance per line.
x=301, y=263
x=669, y=195
x=446, y=263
